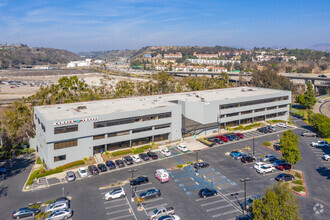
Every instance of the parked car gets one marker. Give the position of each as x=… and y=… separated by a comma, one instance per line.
x=267, y=168
x=239, y=156
x=150, y=193
x=234, y=153
x=258, y=165
x=138, y=180
x=235, y=137
x=102, y=167
x=144, y=156
x=82, y=172
x=70, y=176
x=119, y=163
x=110, y=164
x=268, y=157
x=93, y=170
x=277, y=161
x=215, y=141
x=240, y=135
x=60, y=199
x=325, y=76
x=206, y=192
x=263, y=130
x=308, y=134
x=128, y=160
x=153, y=155
x=165, y=152
x=247, y=159
x=320, y=144
x=160, y=211
x=284, y=177
x=25, y=212
x=200, y=165
x=284, y=166
x=115, y=194
x=271, y=128
x=60, y=214
x=56, y=206
x=277, y=146
x=230, y=138
x=224, y=138
x=162, y=175
x=182, y=148
x=136, y=158
x=250, y=200
x=169, y=217
x=326, y=157
x=281, y=125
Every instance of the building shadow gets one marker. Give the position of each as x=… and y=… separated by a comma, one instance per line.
x=324, y=171
x=17, y=165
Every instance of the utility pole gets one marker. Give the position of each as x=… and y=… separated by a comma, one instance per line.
x=244, y=181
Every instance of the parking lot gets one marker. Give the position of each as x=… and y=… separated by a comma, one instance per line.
x=318, y=152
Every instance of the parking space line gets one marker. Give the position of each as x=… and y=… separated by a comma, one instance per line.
x=113, y=206
x=211, y=203
x=118, y=211
x=227, y=194
x=220, y=207
x=120, y=217
x=225, y=213
x=116, y=200
x=140, y=190
x=202, y=199
x=153, y=200
x=155, y=206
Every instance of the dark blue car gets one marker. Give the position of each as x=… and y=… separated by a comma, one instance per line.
x=229, y=137
x=206, y=192
x=110, y=164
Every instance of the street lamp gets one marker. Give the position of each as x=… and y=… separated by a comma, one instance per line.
x=253, y=146
x=132, y=171
x=197, y=167
x=244, y=181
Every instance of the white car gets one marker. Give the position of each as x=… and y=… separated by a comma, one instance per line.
x=182, y=148
x=115, y=194
x=82, y=172
x=282, y=125
x=57, y=206
x=320, y=144
x=258, y=165
x=136, y=158
x=326, y=157
x=267, y=168
x=165, y=152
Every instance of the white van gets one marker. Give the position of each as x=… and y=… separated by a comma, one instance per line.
x=162, y=175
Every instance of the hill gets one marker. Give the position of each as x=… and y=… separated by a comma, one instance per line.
x=110, y=55
x=16, y=56
x=321, y=47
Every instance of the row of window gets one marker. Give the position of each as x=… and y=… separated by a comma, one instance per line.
x=65, y=144
x=59, y=158
x=101, y=124
x=250, y=111
x=254, y=102
x=65, y=129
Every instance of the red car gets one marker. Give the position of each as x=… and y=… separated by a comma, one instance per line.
x=224, y=138
x=284, y=166
x=240, y=135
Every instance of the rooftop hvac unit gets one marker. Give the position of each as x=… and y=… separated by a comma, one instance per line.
x=202, y=99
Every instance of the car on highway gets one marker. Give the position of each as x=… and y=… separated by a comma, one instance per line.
x=82, y=172
x=182, y=147
x=102, y=167
x=119, y=163
x=200, y=165
x=247, y=159
x=281, y=125
x=93, y=170
x=320, y=144
x=258, y=165
x=284, y=177
x=206, y=192
x=240, y=135
x=308, y=134
x=60, y=214
x=169, y=217
x=283, y=166
x=267, y=168
x=110, y=164
x=268, y=157
x=144, y=156
x=70, y=176
x=234, y=153
x=150, y=193
x=162, y=175
x=139, y=180
x=56, y=206
x=165, y=152
x=326, y=157
x=115, y=194
x=128, y=160
x=136, y=159
x=25, y=212
x=224, y=138
x=153, y=155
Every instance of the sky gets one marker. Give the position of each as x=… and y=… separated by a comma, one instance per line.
x=94, y=25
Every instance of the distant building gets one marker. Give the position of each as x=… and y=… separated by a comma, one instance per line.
x=205, y=56
x=173, y=56
x=212, y=62
x=83, y=63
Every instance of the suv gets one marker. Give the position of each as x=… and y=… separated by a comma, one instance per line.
x=115, y=194
x=284, y=166
x=110, y=164
x=150, y=193
x=250, y=200
x=128, y=160
x=119, y=163
x=326, y=157
x=102, y=167
x=308, y=134
x=268, y=157
x=153, y=155
x=247, y=159
x=162, y=175
x=200, y=165
x=206, y=192
x=144, y=156
x=320, y=144
x=93, y=169
x=263, y=130
x=271, y=128
x=267, y=168
x=138, y=180
x=70, y=176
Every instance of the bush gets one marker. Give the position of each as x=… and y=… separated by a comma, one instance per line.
x=50, y=201
x=179, y=166
x=298, y=188
x=298, y=175
x=121, y=152
x=299, y=182
x=248, y=127
x=38, y=161
x=73, y=164
x=138, y=151
x=286, y=184
x=266, y=143
x=203, y=140
x=238, y=128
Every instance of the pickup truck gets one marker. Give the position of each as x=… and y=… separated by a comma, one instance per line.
x=159, y=211
x=320, y=144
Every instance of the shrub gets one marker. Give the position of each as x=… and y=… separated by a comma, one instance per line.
x=50, y=201
x=286, y=184
x=205, y=141
x=238, y=128
x=39, y=161
x=298, y=188
x=299, y=182
x=298, y=175
x=266, y=143
x=106, y=153
x=121, y=152
x=248, y=127
x=179, y=166
x=73, y=164
x=229, y=129
x=189, y=162
x=138, y=151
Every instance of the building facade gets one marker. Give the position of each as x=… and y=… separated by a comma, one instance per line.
x=70, y=132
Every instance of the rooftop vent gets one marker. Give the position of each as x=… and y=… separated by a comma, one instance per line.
x=202, y=99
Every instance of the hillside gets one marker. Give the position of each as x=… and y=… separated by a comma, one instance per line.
x=110, y=55
x=17, y=56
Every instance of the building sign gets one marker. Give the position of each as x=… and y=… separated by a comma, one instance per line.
x=76, y=121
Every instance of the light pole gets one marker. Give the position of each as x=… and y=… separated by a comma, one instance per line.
x=197, y=167
x=132, y=171
x=244, y=181
x=253, y=145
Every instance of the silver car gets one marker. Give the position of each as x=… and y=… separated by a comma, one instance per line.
x=70, y=176
x=57, y=206
x=60, y=214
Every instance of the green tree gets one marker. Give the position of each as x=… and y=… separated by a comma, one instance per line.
x=124, y=89
x=310, y=99
x=321, y=123
x=278, y=203
x=300, y=99
x=289, y=147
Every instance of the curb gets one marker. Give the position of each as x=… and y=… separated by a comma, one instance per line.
x=305, y=193
x=272, y=149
